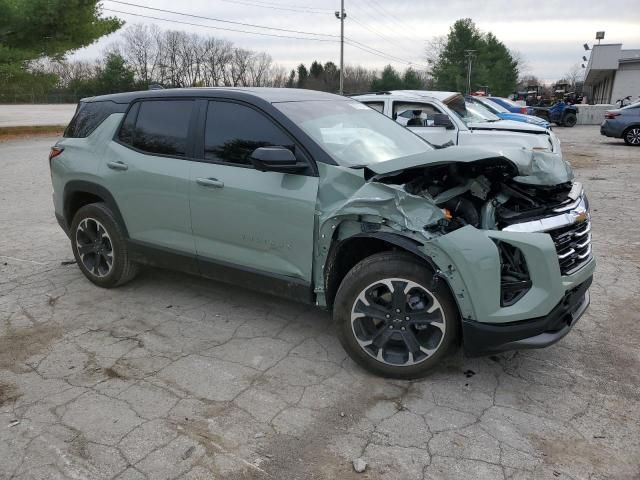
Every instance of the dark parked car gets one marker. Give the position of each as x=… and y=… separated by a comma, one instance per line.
x=623, y=123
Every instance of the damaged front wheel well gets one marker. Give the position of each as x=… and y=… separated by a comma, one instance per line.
x=345, y=254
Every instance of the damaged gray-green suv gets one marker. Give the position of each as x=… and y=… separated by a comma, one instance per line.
x=319, y=198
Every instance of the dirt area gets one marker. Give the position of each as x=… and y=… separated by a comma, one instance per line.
x=178, y=377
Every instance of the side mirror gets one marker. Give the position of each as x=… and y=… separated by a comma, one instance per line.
x=442, y=120
x=276, y=159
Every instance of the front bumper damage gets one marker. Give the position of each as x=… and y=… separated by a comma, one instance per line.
x=487, y=338
x=558, y=294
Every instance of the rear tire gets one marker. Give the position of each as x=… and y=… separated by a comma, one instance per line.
x=631, y=136
x=570, y=120
x=100, y=247
x=392, y=318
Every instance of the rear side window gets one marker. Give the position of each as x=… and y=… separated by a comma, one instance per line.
x=89, y=115
x=234, y=131
x=377, y=106
x=158, y=126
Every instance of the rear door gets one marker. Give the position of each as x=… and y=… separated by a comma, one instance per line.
x=258, y=221
x=146, y=169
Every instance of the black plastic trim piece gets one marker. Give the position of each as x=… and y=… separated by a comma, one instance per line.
x=81, y=186
x=487, y=338
x=260, y=281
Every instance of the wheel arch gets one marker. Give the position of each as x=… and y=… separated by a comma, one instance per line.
x=78, y=193
x=346, y=253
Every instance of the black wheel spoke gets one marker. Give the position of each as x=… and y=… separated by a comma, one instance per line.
x=410, y=340
x=84, y=249
x=372, y=311
x=398, y=297
x=424, y=317
x=382, y=337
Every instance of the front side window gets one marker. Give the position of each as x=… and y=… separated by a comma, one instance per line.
x=233, y=131
x=158, y=126
x=351, y=132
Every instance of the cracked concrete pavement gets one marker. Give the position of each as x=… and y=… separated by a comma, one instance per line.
x=178, y=377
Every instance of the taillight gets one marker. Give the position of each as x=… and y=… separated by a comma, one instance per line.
x=55, y=151
x=523, y=110
x=610, y=115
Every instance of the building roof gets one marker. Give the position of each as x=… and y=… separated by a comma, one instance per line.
x=606, y=58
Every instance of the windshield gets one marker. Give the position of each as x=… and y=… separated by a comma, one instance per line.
x=352, y=133
x=493, y=106
x=469, y=112
x=510, y=102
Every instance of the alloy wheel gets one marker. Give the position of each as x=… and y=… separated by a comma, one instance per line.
x=633, y=136
x=398, y=322
x=95, y=248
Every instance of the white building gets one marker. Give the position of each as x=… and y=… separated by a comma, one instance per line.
x=612, y=73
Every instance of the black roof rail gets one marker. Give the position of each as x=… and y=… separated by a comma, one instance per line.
x=379, y=92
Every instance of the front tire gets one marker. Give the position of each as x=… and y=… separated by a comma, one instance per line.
x=570, y=120
x=631, y=136
x=392, y=318
x=100, y=247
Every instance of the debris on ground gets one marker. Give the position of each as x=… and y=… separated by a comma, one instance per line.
x=259, y=435
x=469, y=373
x=189, y=452
x=359, y=465
x=14, y=423
x=67, y=262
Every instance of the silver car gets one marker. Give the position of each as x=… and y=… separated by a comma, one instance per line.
x=623, y=123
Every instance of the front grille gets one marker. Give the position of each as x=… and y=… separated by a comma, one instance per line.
x=573, y=245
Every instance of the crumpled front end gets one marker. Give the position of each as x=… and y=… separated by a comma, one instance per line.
x=515, y=254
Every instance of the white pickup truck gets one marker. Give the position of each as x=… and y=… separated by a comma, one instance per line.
x=445, y=118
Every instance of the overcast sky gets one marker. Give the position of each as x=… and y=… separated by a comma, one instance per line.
x=547, y=34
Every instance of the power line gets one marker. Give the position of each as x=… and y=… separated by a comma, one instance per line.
x=376, y=32
x=277, y=6
x=220, y=20
x=334, y=38
x=377, y=6
x=220, y=28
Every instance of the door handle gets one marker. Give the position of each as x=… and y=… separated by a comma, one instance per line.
x=117, y=165
x=210, y=182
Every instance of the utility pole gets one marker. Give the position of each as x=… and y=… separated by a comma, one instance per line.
x=341, y=15
x=470, y=54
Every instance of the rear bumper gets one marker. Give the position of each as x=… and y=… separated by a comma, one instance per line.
x=486, y=338
x=609, y=130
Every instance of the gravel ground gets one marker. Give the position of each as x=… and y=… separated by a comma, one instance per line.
x=34, y=115
x=177, y=377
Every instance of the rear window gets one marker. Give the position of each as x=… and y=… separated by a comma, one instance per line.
x=158, y=126
x=89, y=115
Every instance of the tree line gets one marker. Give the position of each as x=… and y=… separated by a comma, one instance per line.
x=33, y=58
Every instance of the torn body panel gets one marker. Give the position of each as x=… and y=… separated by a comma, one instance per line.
x=411, y=202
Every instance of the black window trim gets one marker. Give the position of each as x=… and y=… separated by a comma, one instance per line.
x=191, y=131
x=368, y=103
x=200, y=136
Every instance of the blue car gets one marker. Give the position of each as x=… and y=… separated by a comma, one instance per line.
x=511, y=106
x=505, y=114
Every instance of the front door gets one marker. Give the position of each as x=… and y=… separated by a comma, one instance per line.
x=418, y=117
x=262, y=222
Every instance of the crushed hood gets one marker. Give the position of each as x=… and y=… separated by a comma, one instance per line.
x=534, y=167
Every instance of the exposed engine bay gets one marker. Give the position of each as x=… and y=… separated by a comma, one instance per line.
x=482, y=194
